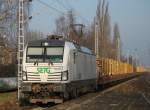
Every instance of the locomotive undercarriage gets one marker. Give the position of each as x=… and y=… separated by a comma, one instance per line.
x=43, y=93
x=57, y=93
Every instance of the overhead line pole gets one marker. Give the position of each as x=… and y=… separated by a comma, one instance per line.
x=96, y=39
x=20, y=44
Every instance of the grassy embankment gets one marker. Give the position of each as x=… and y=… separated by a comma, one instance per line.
x=7, y=97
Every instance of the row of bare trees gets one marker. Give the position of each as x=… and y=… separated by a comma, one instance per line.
x=108, y=46
x=67, y=25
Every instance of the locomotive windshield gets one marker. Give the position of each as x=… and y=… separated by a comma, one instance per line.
x=45, y=54
x=35, y=54
x=54, y=54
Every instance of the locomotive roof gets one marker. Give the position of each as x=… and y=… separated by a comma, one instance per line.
x=49, y=42
x=54, y=42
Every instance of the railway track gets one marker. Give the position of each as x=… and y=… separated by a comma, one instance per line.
x=104, y=97
x=84, y=99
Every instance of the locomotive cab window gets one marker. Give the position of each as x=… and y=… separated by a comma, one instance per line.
x=54, y=54
x=35, y=54
x=45, y=54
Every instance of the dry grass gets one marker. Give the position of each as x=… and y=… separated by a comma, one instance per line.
x=7, y=97
x=8, y=101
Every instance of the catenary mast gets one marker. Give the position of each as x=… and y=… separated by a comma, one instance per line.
x=20, y=43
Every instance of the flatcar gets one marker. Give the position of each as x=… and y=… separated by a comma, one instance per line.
x=55, y=69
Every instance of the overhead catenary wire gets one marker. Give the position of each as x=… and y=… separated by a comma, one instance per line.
x=51, y=7
x=61, y=12
x=45, y=8
x=62, y=4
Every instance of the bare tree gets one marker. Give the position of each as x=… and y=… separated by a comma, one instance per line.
x=9, y=20
x=61, y=26
x=8, y=16
x=107, y=47
x=33, y=35
x=103, y=21
x=116, y=43
x=67, y=26
x=88, y=37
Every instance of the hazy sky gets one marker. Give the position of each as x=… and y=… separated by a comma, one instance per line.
x=133, y=17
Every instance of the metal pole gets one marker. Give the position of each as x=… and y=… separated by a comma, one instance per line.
x=118, y=49
x=20, y=43
x=96, y=39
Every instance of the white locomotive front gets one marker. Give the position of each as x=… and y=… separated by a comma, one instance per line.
x=54, y=70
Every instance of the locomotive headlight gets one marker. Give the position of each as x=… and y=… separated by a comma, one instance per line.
x=45, y=44
x=24, y=75
x=64, y=76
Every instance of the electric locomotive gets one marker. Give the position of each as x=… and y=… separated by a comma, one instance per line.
x=55, y=69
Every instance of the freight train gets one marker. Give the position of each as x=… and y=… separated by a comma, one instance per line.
x=55, y=70
x=110, y=70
